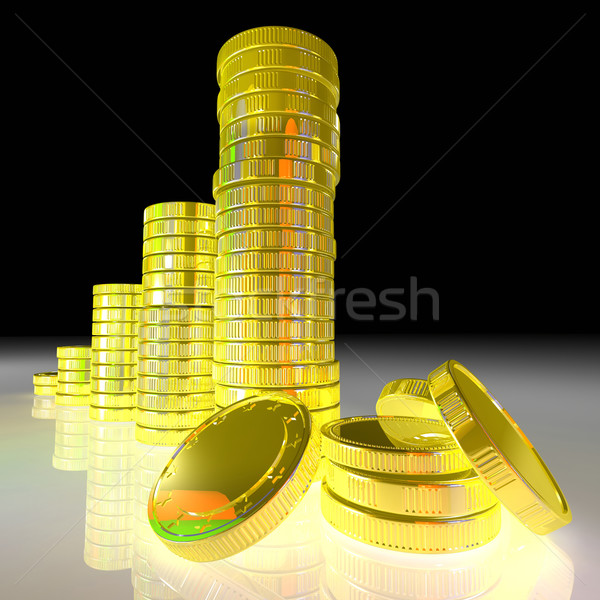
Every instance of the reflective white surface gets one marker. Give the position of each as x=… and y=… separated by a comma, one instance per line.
x=547, y=384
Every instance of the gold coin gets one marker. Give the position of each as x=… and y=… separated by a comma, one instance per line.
x=259, y=170
x=161, y=437
x=177, y=210
x=65, y=399
x=168, y=297
x=48, y=378
x=172, y=419
x=174, y=366
x=249, y=496
x=407, y=398
x=73, y=352
x=276, y=375
x=113, y=357
x=276, y=239
x=274, y=352
x=44, y=390
x=114, y=314
x=498, y=449
x=178, y=314
x=114, y=328
x=281, y=147
x=117, y=288
x=162, y=227
x=281, y=261
x=275, y=283
x=120, y=415
x=193, y=401
x=178, y=244
x=274, y=330
x=255, y=307
x=178, y=262
x=175, y=385
x=73, y=377
x=419, y=534
x=118, y=371
x=113, y=386
x=113, y=399
x=176, y=332
x=114, y=342
x=178, y=279
x=175, y=349
x=116, y=301
x=313, y=397
x=406, y=445
x=248, y=217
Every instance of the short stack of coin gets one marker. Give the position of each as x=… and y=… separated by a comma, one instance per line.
x=74, y=373
x=44, y=393
x=71, y=438
x=174, y=375
x=274, y=193
x=403, y=483
x=114, y=351
x=109, y=498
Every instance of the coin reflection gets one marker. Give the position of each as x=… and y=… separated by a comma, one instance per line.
x=71, y=438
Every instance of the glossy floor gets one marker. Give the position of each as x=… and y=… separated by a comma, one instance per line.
x=81, y=534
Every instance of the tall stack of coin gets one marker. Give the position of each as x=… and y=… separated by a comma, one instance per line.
x=109, y=498
x=114, y=351
x=274, y=193
x=73, y=375
x=403, y=483
x=175, y=385
x=44, y=392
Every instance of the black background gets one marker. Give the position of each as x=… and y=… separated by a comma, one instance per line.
x=480, y=157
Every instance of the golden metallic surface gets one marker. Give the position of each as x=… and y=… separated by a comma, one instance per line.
x=313, y=397
x=113, y=371
x=407, y=398
x=276, y=375
x=178, y=279
x=44, y=390
x=265, y=170
x=78, y=388
x=178, y=314
x=280, y=147
x=182, y=332
x=256, y=307
x=116, y=300
x=175, y=385
x=266, y=36
x=117, y=288
x=276, y=239
x=275, y=283
x=174, y=366
x=440, y=494
x=498, y=449
x=181, y=419
x=209, y=514
x=280, y=57
x=72, y=377
x=114, y=399
x=74, y=364
x=274, y=330
x=74, y=352
x=180, y=244
x=281, y=261
x=49, y=378
x=406, y=445
x=64, y=399
x=115, y=328
x=114, y=314
x=162, y=227
x=114, y=342
x=178, y=297
x=113, y=357
x=161, y=437
x=274, y=352
x=420, y=534
x=177, y=210
x=192, y=401
x=178, y=262
x=122, y=415
x=297, y=217
x=175, y=349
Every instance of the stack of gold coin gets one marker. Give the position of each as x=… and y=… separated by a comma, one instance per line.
x=174, y=374
x=71, y=438
x=73, y=375
x=274, y=193
x=114, y=351
x=403, y=483
x=44, y=392
x=109, y=498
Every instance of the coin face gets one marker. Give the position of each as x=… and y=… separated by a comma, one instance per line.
x=229, y=472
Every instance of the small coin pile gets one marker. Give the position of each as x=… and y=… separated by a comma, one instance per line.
x=44, y=392
x=175, y=331
x=114, y=351
x=274, y=192
x=403, y=483
x=73, y=375
x=109, y=498
x=71, y=438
